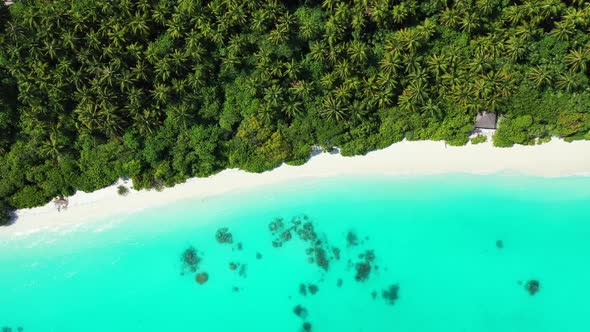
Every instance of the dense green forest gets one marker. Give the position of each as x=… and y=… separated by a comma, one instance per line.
x=163, y=90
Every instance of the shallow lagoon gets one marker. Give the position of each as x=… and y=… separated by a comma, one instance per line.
x=435, y=237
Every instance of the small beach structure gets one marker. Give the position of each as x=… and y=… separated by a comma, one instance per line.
x=61, y=203
x=485, y=120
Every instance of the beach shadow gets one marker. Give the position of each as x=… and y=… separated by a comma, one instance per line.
x=11, y=220
x=317, y=150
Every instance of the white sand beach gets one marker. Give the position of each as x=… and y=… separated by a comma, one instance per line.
x=553, y=159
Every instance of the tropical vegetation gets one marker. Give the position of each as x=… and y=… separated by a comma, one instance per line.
x=163, y=90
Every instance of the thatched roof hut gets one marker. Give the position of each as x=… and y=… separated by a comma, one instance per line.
x=485, y=120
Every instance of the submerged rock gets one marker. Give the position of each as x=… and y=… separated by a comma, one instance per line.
x=258, y=255
x=242, y=272
x=224, y=236
x=240, y=246
x=306, y=327
x=532, y=286
x=233, y=266
x=363, y=270
x=339, y=283
x=307, y=233
x=351, y=239
x=302, y=290
x=276, y=225
x=499, y=244
x=190, y=259
x=286, y=235
x=313, y=289
x=374, y=294
x=336, y=253
x=296, y=222
x=202, y=278
x=391, y=295
x=300, y=311
x=321, y=259
x=370, y=256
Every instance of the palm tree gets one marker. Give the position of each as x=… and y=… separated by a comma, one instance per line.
x=292, y=108
x=432, y=108
x=412, y=63
x=292, y=69
x=301, y=88
x=50, y=49
x=117, y=35
x=358, y=110
x=437, y=64
x=159, y=15
x=161, y=93
x=427, y=29
x=279, y=34
x=486, y=7
x=273, y=95
x=450, y=18
x=516, y=48
x=470, y=22
x=334, y=30
x=567, y=81
x=145, y=121
x=333, y=109
x=328, y=80
x=258, y=20
x=563, y=30
x=357, y=51
x=413, y=96
x=419, y=75
x=138, y=25
x=540, y=76
x=317, y=51
x=329, y=4
x=409, y=39
x=576, y=59
x=175, y=29
x=69, y=40
x=111, y=123
x=88, y=117
x=379, y=12
x=358, y=22
x=399, y=13
x=53, y=146
x=180, y=115
x=177, y=59
x=342, y=69
x=387, y=82
x=390, y=63
x=462, y=94
x=162, y=69
x=342, y=93
x=371, y=88
x=527, y=31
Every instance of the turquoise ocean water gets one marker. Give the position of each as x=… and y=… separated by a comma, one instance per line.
x=457, y=249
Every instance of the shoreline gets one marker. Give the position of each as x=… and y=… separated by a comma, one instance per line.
x=556, y=158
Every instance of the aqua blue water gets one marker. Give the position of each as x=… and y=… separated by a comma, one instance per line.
x=434, y=237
